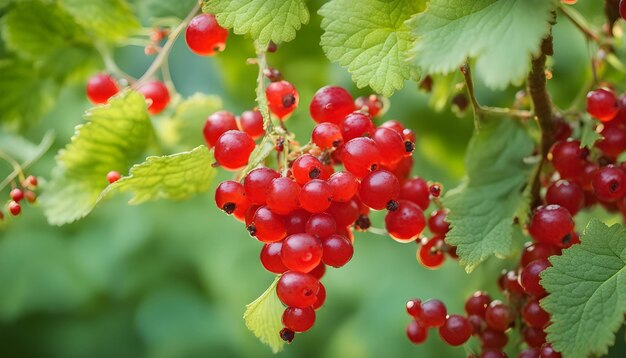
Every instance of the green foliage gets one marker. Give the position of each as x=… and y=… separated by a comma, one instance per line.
x=175, y=177
x=589, y=135
x=263, y=318
x=501, y=34
x=587, y=292
x=483, y=208
x=372, y=47
x=155, y=9
x=109, y=20
x=113, y=137
x=264, y=20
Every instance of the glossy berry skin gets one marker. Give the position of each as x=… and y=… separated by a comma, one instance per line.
x=17, y=195
x=331, y=104
x=568, y=158
x=344, y=213
x=360, y=156
x=327, y=135
x=321, y=297
x=100, y=88
x=295, y=221
x=529, y=352
x=551, y=224
x=232, y=150
x=533, y=315
x=613, y=142
x=283, y=195
x=297, y=289
x=567, y=194
x=437, y=222
x=217, y=124
x=205, y=36
x=378, y=189
x=416, y=191
x=344, y=185
x=298, y=319
x=393, y=124
x=256, y=183
x=267, y=226
x=156, y=94
x=477, y=303
x=338, y=250
x=373, y=104
x=510, y=282
x=529, y=278
x=270, y=258
x=282, y=98
x=548, y=352
x=357, y=124
x=113, y=176
x=319, y=271
x=301, y=252
x=305, y=168
x=414, y=307
x=499, y=316
x=321, y=225
x=14, y=208
x=251, y=122
x=433, y=313
x=405, y=223
x=417, y=332
x=229, y=196
x=456, y=330
x=534, y=337
x=391, y=145
x=493, y=339
x=493, y=353
x=316, y=196
x=537, y=251
x=429, y=255
x=609, y=183
x=602, y=104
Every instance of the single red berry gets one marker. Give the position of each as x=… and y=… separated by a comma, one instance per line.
x=373, y=104
x=551, y=224
x=609, y=183
x=391, y=145
x=205, y=36
x=256, y=183
x=232, y=150
x=113, y=176
x=499, y=316
x=100, y=88
x=456, y=330
x=316, y=196
x=299, y=319
x=602, y=104
x=357, y=124
x=477, y=303
x=251, y=122
x=305, y=168
x=437, y=222
x=301, y=252
x=360, y=156
x=534, y=337
x=217, y=124
x=378, y=188
x=567, y=194
x=297, y=289
x=229, y=196
x=270, y=258
x=283, y=195
x=331, y=104
x=493, y=353
x=296, y=221
x=414, y=307
x=344, y=213
x=267, y=226
x=477, y=322
x=344, y=185
x=537, y=251
x=416, y=190
x=157, y=95
x=338, y=250
x=530, y=352
x=435, y=190
x=510, y=283
x=282, y=98
x=613, y=142
x=417, y=332
x=534, y=315
x=433, y=313
x=429, y=254
x=17, y=195
x=568, y=158
x=529, y=278
x=321, y=296
x=327, y=135
x=321, y=225
x=405, y=223
x=393, y=124
x=14, y=208
x=548, y=352
x=492, y=339
x=319, y=271
x=30, y=182
x=30, y=196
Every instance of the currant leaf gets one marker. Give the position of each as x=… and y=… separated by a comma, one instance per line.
x=175, y=177
x=588, y=133
x=263, y=318
x=482, y=209
x=111, y=20
x=587, y=292
x=374, y=49
x=264, y=20
x=151, y=9
x=501, y=34
x=181, y=131
x=113, y=137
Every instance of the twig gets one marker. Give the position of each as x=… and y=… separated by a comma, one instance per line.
x=109, y=62
x=18, y=169
x=469, y=83
x=589, y=33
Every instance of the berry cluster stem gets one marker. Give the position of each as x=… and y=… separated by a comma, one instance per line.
x=18, y=169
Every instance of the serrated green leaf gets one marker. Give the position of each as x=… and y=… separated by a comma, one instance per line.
x=483, y=208
x=175, y=177
x=588, y=132
x=263, y=318
x=371, y=40
x=587, y=292
x=184, y=129
x=264, y=20
x=113, y=137
x=501, y=34
x=112, y=20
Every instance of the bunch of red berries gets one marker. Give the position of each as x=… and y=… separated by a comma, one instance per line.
x=17, y=194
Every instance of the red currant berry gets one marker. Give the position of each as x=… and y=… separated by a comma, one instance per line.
x=360, y=156
x=529, y=352
x=510, y=283
x=251, y=122
x=270, y=258
x=327, y=135
x=477, y=303
x=499, y=316
x=296, y=221
x=357, y=124
x=321, y=225
x=493, y=353
x=229, y=195
x=613, y=142
x=267, y=226
x=113, y=176
x=256, y=183
x=429, y=254
x=17, y=195
x=217, y=124
x=416, y=191
x=433, y=313
x=318, y=272
x=373, y=104
x=232, y=150
x=14, y=208
x=316, y=196
x=529, y=278
x=305, y=168
x=537, y=251
x=393, y=124
x=344, y=213
x=30, y=182
x=437, y=222
x=282, y=98
x=493, y=339
x=551, y=224
x=338, y=250
x=297, y=289
x=299, y=319
x=534, y=315
x=405, y=223
x=205, y=36
x=100, y=88
x=609, y=183
x=548, y=352
x=321, y=297
x=157, y=95
x=30, y=196
x=456, y=330
x=301, y=252
x=391, y=145
x=283, y=196
x=378, y=189
x=566, y=194
x=417, y=332
x=414, y=307
x=478, y=323
x=331, y=104
x=602, y=104
x=344, y=185
x=534, y=337
x=568, y=158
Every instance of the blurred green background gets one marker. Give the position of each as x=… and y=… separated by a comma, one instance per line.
x=171, y=279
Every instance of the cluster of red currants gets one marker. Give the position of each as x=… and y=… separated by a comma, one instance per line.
x=26, y=191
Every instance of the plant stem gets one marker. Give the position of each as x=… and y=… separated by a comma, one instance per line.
x=588, y=32
x=469, y=83
x=18, y=169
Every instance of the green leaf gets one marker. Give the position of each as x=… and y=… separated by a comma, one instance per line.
x=174, y=177
x=264, y=20
x=444, y=87
x=501, y=34
x=589, y=132
x=152, y=9
x=370, y=40
x=112, y=20
x=113, y=137
x=587, y=292
x=483, y=208
x=263, y=318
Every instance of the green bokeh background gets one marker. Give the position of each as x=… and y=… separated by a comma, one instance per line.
x=171, y=279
